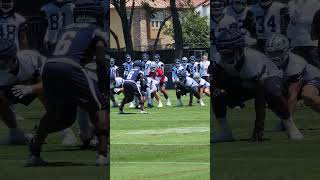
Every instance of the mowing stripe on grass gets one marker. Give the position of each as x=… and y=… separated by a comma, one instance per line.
x=181, y=130
x=169, y=162
x=149, y=144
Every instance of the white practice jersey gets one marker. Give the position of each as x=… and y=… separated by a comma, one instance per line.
x=267, y=20
x=30, y=65
x=10, y=27
x=254, y=66
x=301, y=16
x=203, y=83
x=119, y=82
x=189, y=82
x=59, y=15
x=114, y=70
x=204, y=65
x=298, y=69
x=160, y=65
x=147, y=67
x=239, y=17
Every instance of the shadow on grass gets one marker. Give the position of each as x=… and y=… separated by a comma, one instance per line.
x=76, y=148
x=66, y=164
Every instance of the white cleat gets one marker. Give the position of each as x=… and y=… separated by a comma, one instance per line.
x=143, y=112
x=34, y=161
x=201, y=103
x=179, y=103
x=168, y=102
x=131, y=105
x=160, y=105
x=69, y=139
x=292, y=131
x=103, y=160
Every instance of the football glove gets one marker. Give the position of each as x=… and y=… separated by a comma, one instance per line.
x=20, y=91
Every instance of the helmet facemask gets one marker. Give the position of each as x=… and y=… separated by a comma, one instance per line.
x=277, y=56
x=7, y=6
x=238, y=5
x=217, y=8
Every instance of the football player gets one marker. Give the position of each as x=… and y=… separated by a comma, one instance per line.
x=186, y=85
x=157, y=74
x=241, y=74
x=127, y=65
x=13, y=25
x=184, y=63
x=67, y=85
x=301, y=14
x=113, y=68
x=191, y=67
x=303, y=79
x=203, y=67
x=150, y=89
x=156, y=59
x=315, y=29
x=59, y=14
x=147, y=62
x=132, y=87
x=174, y=70
x=266, y=18
x=116, y=87
x=204, y=86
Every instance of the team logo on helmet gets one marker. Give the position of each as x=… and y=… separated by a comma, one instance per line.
x=277, y=48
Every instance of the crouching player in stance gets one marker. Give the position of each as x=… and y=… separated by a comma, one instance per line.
x=67, y=85
x=132, y=87
x=186, y=85
x=20, y=83
x=303, y=79
x=241, y=74
x=204, y=86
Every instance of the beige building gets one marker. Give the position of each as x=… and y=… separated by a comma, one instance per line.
x=144, y=27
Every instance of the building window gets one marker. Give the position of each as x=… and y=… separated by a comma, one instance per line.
x=156, y=20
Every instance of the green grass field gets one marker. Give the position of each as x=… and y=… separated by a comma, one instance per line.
x=66, y=163
x=169, y=143
x=275, y=159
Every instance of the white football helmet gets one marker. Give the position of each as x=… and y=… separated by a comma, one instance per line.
x=238, y=5
x=277, y=48
x=153, y=67
x=197, y=77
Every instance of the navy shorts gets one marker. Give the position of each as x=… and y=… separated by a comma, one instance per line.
x=131, y=89
x=66, y=87
x=314, y=82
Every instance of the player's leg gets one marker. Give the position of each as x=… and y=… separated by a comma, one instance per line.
x=310, y=96
x=206, y=91
x=113, y=99
x=138, y=94
x=190, y=98
x=275, y=96
x=165, y=93
x=16, y=135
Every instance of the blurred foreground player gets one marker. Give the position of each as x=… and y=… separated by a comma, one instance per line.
x=241, y=74
x=67, y=85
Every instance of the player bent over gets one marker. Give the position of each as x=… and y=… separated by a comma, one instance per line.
x=204, y=86
x=67, y=85
x=241, y=74
x=303, y=79
x=116, y=87
x=186, y=85
x=132, y=87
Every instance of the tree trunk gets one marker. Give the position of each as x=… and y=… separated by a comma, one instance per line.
x=177, y=29
x=159, y=32
x=117, y=42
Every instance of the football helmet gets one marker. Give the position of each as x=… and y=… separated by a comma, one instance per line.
x=197, y=77
x=193, y=59
x=182, y=75
x=238, y=5
x=145, y=57
x=177, y=62
x=112, y=61
x=230, y=45
x=277, y=48
x=156, y=58
x=128, y=58
x=88, y=12
x=217, y=7
x=153, y=67
x=184, y=60
x=7, y=6
x=138, y=64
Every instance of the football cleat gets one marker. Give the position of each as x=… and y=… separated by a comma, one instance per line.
x=160, y=105
x=179, y=103
x=168, y=102
x=132, y=105
x=34, y=161
x=103, y=160
x=143, y=112
x=225, y=136
x=292, y=131
x=69, y=139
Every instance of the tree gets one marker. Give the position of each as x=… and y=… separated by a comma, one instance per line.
x=120, y=6
x=177, y=30
x=195, y=29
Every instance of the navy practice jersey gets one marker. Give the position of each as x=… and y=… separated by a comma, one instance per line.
x=59, y=14
x=10, y=26
x=78, y=41
x=134, y=75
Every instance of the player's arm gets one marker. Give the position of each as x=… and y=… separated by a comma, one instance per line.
x=315, y=27
x=260, y=109
x=23, y=37
x=284, y=20
x=249, y=24
x=293, y=92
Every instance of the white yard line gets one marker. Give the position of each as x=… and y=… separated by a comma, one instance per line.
x=152, y=144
